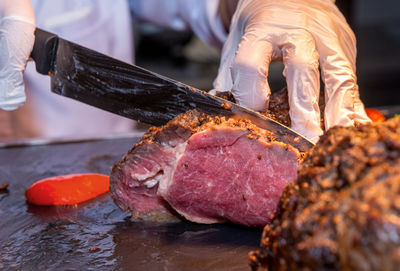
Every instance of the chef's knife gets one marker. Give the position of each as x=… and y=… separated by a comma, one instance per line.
x=133, y=92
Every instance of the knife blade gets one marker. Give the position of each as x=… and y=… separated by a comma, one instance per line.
x=133, y=92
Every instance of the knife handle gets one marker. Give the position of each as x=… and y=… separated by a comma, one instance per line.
x=44, y=51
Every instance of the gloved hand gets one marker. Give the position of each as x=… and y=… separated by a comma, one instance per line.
x=303, y=34
x=17, y=26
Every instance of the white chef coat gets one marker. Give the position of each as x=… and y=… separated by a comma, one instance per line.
x=102, y=25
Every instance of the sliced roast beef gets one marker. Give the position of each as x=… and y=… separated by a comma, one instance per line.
x=343, y=211
x=134, y=181
x=206, y=169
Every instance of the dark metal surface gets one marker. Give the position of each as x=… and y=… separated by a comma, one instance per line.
x=96, y=235
x=133, y=92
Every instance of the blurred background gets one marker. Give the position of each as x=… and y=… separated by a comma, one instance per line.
x=181, y=56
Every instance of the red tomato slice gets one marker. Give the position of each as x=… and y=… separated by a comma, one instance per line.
x=375, y=115
x=67, y=189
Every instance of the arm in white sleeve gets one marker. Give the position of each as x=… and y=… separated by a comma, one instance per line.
x=201, y=17
x=17, y=26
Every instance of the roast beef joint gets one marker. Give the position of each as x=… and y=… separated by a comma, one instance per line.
x=206, y=169
x=343, y=211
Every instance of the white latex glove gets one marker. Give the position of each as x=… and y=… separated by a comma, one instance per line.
x=303, y=34
x=17, y=26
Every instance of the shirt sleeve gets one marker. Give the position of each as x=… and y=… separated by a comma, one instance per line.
x=201, y=16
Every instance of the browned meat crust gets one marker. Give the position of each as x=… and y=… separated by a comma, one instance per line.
x=194, y=121
x=343, y=212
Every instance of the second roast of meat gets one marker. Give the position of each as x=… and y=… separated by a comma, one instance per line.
x=343, y=212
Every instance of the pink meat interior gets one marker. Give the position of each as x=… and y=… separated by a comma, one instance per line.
x=134, y=187
x=225, y=175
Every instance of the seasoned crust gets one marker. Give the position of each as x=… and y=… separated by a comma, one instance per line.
x=343, y=212
x=194, y=121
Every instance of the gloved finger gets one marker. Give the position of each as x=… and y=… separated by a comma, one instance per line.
x=343, y=105
x=302, y=76
x=249, y=72
x=16, y=42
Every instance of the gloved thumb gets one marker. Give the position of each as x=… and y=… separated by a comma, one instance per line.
x=16, y=42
